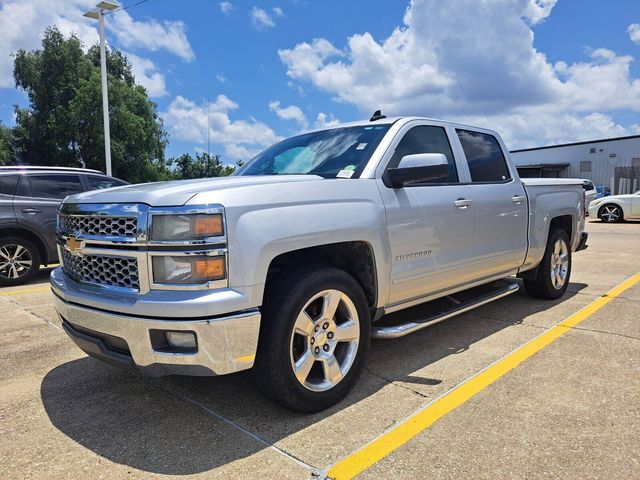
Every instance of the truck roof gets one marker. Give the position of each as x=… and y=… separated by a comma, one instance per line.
x=392, y=120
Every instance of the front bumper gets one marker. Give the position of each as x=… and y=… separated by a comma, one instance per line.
x=225, y=344
x=593, y=210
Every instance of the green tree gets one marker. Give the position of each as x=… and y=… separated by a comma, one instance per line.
x=63, y=124
x=7, y=150
x=204, y=165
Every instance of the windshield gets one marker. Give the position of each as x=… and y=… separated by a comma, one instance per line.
x=335, y=153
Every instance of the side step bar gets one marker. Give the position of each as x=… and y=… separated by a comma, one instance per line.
x=485, y=294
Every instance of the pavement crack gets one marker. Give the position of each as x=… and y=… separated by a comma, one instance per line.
x=314, y=470
x=39, y=317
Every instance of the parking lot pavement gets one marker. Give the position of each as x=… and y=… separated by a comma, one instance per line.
x=571, y=410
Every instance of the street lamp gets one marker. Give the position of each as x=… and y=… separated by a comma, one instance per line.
x=98, y=14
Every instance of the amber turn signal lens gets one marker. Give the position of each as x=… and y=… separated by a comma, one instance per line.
x=209, y=268
x=207, y=225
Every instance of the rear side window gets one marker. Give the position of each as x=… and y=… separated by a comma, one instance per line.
x=8, y=184
x=484, y=156
x=50, y=186
x=426, y=139
x=96, y=183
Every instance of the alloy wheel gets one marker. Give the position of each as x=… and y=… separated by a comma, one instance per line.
x=15, y=261
x=610, y=213
x=324, y=341
x=559, y=264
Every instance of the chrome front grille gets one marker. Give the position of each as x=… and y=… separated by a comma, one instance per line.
x=115, y=271
x=98, y=225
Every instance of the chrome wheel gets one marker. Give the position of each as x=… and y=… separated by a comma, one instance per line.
x=610, y=213
x=559, y=264
x=15, y=261
x=324, y=341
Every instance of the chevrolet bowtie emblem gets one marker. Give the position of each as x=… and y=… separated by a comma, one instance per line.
x=73, y=244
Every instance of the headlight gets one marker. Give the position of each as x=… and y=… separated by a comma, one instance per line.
x=186, y=227
x=188, y=269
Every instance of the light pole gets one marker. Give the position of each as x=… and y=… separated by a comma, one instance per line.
x=98, y=14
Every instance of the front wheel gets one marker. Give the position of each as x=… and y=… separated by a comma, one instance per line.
x=554, y=271
x=611, y=213
x=313, y=339
x=19, y=261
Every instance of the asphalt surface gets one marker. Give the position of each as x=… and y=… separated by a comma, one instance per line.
x=572, y=410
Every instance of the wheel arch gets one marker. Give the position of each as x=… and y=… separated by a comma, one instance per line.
x=32, y=237
x=619, y=205
x=354, y=257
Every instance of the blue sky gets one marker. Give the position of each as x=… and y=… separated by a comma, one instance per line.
x=272, y=69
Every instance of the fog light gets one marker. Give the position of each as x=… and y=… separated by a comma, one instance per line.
x=181, y=339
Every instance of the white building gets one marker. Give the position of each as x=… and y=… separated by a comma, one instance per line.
x=613, y=162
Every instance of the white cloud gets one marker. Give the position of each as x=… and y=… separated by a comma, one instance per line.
x=261, y=19
x=326, y=120
x=240, y=139
x=278, y=12
x=479, y=64
x=22, y=23
x=151, y=35
x=225, y=7
x=292, y=112
x=634, y=32
x=147, y=75
x=221, y=78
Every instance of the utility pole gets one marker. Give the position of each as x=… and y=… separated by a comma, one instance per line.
x=98, y=14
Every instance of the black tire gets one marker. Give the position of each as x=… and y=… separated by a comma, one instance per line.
x=542, y=286
x=8, y=269
x=611, y=213
x=285, y=298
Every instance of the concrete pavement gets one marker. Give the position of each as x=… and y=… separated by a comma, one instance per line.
x=570, y=411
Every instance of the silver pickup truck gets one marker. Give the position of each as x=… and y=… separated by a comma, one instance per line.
x=313, y=247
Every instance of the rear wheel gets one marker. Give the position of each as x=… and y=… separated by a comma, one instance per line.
x=554, y=271
x=19, y=261
x=610, y=213
x=313, y=339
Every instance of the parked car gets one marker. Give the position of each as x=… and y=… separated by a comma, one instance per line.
x=29, y=198
x=616, y=208
x=291, y=265
x=590, y=192
x=602, y=191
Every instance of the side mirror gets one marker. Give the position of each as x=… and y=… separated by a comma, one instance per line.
x=419, y=167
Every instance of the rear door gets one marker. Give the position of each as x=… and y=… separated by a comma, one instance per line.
x=500, y=205
x=37, y=200
x=431, y=225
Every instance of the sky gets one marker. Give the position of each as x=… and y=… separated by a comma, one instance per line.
x=540, y=72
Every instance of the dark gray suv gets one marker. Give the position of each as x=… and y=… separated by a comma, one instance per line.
x=29, y=198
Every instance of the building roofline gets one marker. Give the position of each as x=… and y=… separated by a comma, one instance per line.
x=586, y=142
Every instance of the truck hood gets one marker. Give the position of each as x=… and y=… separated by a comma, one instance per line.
x=176, y=193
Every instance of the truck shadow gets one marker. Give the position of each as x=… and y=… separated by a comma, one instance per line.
x=142, y=423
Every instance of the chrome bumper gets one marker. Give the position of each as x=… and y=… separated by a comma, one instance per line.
x=225, y=344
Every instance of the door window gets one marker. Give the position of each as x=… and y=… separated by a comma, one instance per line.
x=8, y=184
x=49, y=186
x=426, y=139
x=97, y=183
x=484, y=156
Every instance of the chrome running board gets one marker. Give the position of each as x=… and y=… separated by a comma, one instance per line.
x=397, y=324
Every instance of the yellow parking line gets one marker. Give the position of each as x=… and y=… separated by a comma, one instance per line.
x=26, y=290
x=382, y=446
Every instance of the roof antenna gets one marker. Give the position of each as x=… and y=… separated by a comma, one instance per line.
x=377, y=115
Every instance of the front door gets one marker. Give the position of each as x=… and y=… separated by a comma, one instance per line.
x=431, y=226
